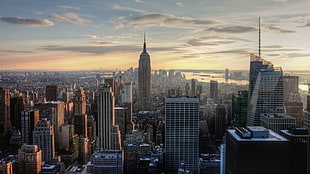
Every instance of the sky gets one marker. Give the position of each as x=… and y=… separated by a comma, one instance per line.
x=180, y=34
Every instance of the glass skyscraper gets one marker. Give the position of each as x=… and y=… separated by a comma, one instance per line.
x=182, y=133
x=265, y=90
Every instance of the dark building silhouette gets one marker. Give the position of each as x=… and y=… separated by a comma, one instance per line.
x=29, y=120
x=79, y=111
x=5, y=123
x=220, y=121
x=17, y=105
x=256, y=150
x=299, y=144
x=51, y=93
x=240, y=108
x=214, y=90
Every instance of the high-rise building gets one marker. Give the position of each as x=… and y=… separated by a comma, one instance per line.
x=181, y=133
x=79, y=111
x=300, y=152
x=17, y=104
x=214, y=90
x=193, y=92
x=29, y=159
x=29, y=120
x=240, y=108
x=127, y=93
x=290, y=89
x=265, y=90
x=43, y=136
x=51, y=93
x=220, y=121
x=53, y=111
x=144, y=80
x=108, y=162
x=256, y=150
x=277, y=122
x=5, y=123
x=106, y=117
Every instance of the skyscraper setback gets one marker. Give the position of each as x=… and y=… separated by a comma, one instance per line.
x=144, y=79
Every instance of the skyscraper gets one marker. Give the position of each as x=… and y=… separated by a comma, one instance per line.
x=17, y=105
x=182, y=133
x=29, y=120
x=214, y=90
x=144, y=80
x=220, y=121
x=193, y=92
x=105, y=105
x=43, y=136
x=53, y=111
x=265, y=90
x=29, y=159
x=5, y=123
x=51, y=93
x=240, y=108
x=80, y=117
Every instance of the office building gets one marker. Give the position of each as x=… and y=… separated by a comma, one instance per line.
x=277, y=122
x=5, y=122
x=29, y=120
x=239, y=109
x=181, y=133
x=43, y=137
x=51, y=93
x=256, y=150
x=265, y=90
x=193, y=88
x=106, y=117
x=220, y=121
x=290, y=89
x=214, y=90
x=29, y=159
x=144, y=80
x=300, y=154
x=17, y=104
x=108, y=162
x=127, y=93
x=79, y=111
x=53, y=111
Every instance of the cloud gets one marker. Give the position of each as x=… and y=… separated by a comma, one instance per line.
x=305, y=25
x=90, y=36
x=105, y=48
x=139, y=1
x=179, y=3
x=202, y=42
x=157, y=19
x=278, y=30
x=72, y=18
x=68, y=7
x=27, y=22
x=16, y=51
x=231, y=29
x=118, y=7
x=272, y=46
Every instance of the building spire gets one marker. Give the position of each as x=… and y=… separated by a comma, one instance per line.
x=144, y=44
x=259, y=36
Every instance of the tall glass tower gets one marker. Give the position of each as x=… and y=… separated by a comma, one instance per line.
x=265, y=90
x=182, y=134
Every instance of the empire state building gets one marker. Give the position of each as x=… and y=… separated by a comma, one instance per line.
x=144, y=80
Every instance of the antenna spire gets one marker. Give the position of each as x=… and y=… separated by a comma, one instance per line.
x=259, y=36
x=144, y=44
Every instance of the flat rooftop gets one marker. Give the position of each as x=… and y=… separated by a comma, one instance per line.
x=273, y=137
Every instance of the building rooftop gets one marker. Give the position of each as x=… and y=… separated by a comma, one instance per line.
x=273, y=136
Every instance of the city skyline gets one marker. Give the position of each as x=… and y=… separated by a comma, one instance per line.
x=78, y=35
